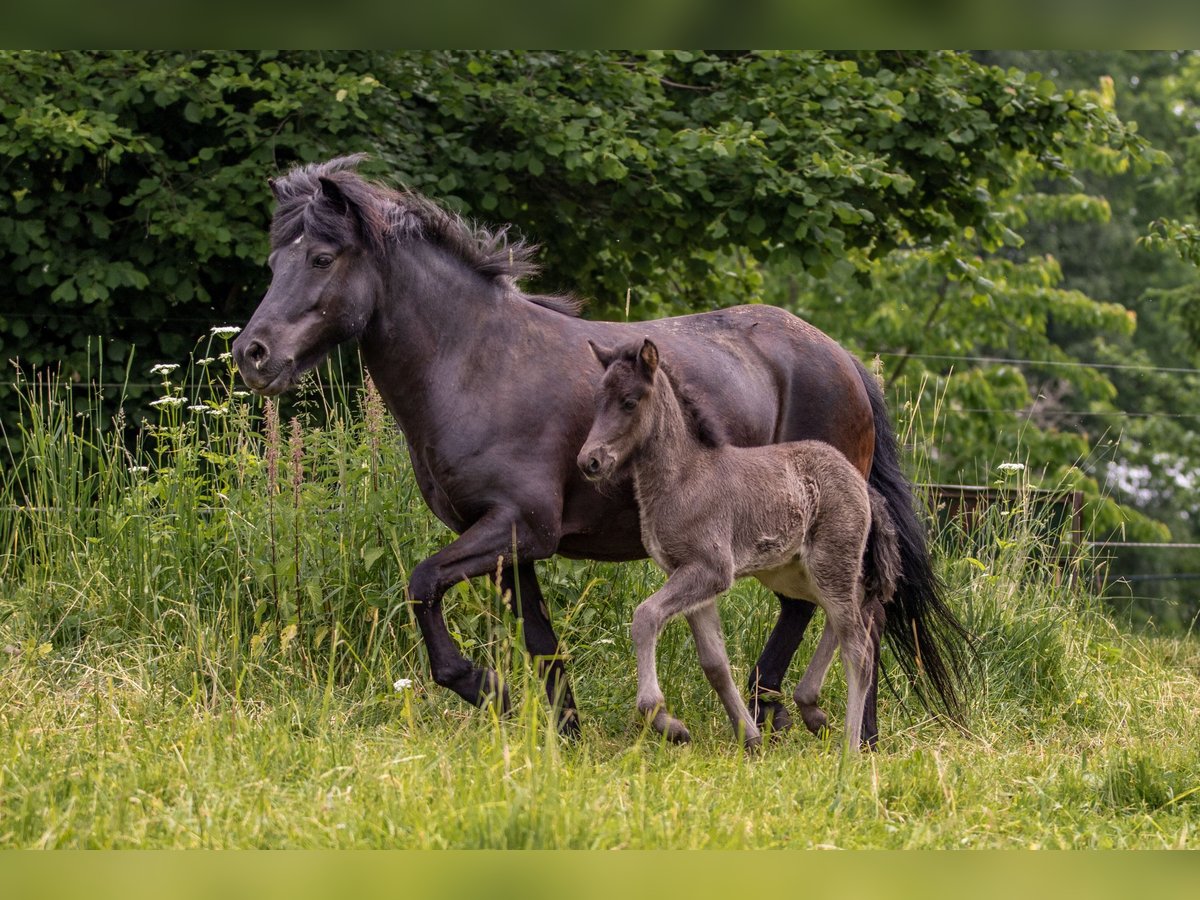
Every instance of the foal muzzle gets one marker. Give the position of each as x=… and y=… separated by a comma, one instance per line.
x=596, y=463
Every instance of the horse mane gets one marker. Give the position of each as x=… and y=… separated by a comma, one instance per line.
x=385, y=215
x=700, y=423
x=706, y=431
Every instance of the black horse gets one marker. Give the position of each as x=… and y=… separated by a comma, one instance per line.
x=493, y=390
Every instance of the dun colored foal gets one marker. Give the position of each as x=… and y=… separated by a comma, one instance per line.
x=796, y=516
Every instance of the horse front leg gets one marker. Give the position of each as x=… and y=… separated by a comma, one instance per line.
x=767, y=676
x=525, y=598
x=479, y=550
x=686, y=590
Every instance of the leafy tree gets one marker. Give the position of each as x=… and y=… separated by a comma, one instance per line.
x=132, y=203
x=132, y=207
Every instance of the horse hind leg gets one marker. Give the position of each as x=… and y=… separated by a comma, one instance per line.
x=766, y=679
x=809, y=688
x=873, y=615
x=854, y=645
x=705, y=623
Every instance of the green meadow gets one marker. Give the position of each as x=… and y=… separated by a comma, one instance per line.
x=205, y=641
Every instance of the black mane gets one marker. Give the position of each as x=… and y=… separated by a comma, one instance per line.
x=707, y=432
x=382, y=216
x=700, y=423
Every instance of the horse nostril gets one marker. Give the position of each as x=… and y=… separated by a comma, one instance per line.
x=593, y=465
x=257, y=353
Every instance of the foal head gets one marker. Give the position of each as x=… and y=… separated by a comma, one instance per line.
x=622, y=400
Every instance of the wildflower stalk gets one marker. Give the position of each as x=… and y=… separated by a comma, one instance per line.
x=296, y=448
x=271, y=413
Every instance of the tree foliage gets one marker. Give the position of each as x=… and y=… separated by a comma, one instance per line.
x=133, y=208
x=918, y=204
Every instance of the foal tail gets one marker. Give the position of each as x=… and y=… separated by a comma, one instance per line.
x=923, y=633
x=881, y=563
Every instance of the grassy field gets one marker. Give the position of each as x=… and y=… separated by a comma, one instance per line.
x=206, y=643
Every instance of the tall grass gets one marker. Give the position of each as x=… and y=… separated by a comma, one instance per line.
x=208, y=643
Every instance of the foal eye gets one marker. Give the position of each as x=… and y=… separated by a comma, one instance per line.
x=323, y=261
x=629, y=404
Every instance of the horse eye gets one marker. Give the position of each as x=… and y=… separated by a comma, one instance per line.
x=629, y=404
x=323, y=261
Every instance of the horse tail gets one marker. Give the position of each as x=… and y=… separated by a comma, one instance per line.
x=881, y=562
x=921, y=630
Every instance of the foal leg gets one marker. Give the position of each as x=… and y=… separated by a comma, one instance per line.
x=766, y=678
x=476, y=552
x=873, y=618
x=845, y=618
x=705, y=622
x=685, y=590
x=809, y=688
x=525, y=597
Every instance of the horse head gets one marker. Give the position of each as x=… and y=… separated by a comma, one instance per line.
x=620, y=423
x=326, y=278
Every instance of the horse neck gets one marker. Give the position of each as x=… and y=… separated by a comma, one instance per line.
x=669, y=451
x=434, y=313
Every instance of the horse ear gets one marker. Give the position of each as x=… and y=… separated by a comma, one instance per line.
x=334, y=194
x=603, y=356
x=648, y=358
x=273, y=183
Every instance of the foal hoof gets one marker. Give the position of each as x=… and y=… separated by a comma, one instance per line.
x=815, y=720
x=676, y=732
x=669, y=727
x=771, y=716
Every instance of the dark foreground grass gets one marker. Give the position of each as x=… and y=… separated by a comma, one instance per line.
x=217, y=652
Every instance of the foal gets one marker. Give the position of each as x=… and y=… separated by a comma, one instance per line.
x=795, y=516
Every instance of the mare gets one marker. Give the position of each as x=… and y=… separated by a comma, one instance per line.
x=493, y=387
x=796, y=516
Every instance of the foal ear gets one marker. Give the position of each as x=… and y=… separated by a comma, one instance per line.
x=335, y=195
x=273, y=183
x=648, y=358
x=603, y=356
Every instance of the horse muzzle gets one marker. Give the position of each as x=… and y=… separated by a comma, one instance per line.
x=596, y=463
x=262, y=372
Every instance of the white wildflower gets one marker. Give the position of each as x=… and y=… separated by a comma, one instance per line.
x=402, y=684
x=168, y=402
x=241, y=395
x=225, y=356
x=207, y=361
x=163, y=368
x=139, y=470
x=1011, y=467
x=198, y=408
x=225, y=331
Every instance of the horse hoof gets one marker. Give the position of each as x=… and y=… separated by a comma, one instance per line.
x=671, y=728
x=772, y=717
x=676, y=732
x=568, y=725
x=753, y=744
x=815, y=719
x=493, y=693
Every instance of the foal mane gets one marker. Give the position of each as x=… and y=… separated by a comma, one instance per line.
x=707, y=432
x=385, y=215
